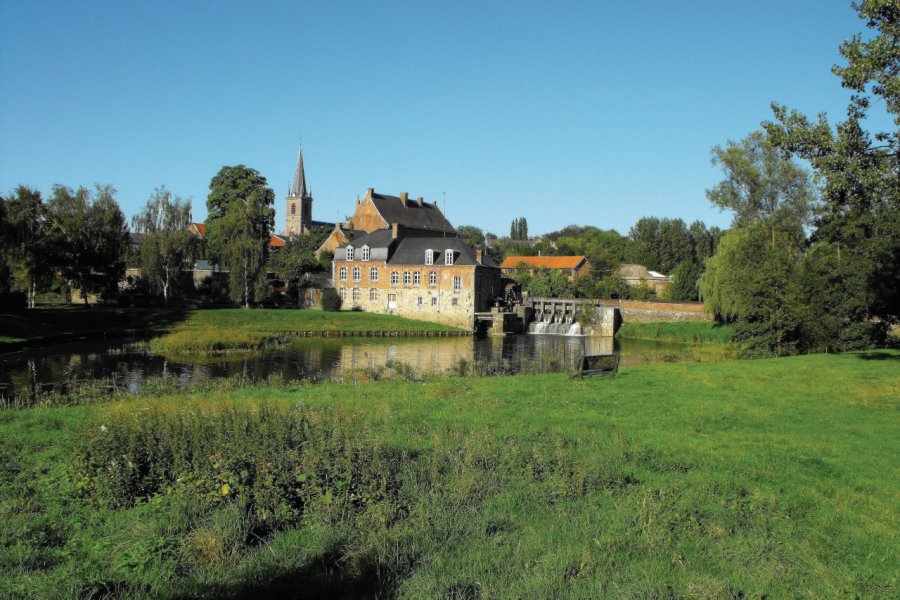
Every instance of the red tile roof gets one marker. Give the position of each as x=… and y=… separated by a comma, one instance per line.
x=550, y=262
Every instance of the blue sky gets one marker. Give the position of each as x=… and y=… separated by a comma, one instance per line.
x=592, y=113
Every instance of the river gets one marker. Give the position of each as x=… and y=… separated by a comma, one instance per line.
x=62, y=365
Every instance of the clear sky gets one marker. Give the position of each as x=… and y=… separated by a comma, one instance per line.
x=592, y=112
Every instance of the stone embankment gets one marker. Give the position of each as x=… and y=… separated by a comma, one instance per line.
x=656, y=312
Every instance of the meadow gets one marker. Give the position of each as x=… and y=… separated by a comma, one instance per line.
x=743, y=479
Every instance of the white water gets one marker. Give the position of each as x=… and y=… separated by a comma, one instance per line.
x=569, y=326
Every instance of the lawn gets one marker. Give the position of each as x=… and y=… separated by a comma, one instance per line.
x=688, y=332
x=768, y=478
x=230, y=329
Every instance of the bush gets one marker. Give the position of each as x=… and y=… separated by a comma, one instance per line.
x=331, y=301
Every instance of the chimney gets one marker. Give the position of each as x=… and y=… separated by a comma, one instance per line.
x=396, y=230
x=421, y=201
x=404, y=197
x=479, y=256
x=369, y=193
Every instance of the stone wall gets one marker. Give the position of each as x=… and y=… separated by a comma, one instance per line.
x=655, y=312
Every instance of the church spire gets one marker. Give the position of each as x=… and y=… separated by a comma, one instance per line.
x=298, y=189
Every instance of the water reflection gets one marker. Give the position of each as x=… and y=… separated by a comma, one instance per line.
x=62, y=365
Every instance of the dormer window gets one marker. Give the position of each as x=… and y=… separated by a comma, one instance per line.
x=448, y=258
x=429, y=257
x=349, y=252
x=365, y=253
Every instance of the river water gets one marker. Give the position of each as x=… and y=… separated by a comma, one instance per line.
x=60, y=366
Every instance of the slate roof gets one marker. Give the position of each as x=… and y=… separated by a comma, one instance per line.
x=411, y=251
x=550, y=262
x=410, y=214
x=380, y=238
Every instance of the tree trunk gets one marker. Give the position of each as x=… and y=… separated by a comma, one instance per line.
x=31, y=295
x=166, y=288
x=246, y=282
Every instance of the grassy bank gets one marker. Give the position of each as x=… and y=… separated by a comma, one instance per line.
x=772, y=478
x=237, y=329
x=688, y=332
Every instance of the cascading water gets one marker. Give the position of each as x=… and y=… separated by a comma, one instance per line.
x=547, y=323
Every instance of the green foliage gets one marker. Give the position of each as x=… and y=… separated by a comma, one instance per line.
x=331, y=300
x=168, y=246
x=546, y=283
x=239, y=224
x=471, y=235
x=297, y=259
x=662, y=244
x=518, y=230
x=858, y=172
x=685, y=282
x=30, y=248
x=761, y=185
x=93, y=237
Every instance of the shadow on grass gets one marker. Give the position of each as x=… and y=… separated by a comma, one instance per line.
x=323, y=577
x=878, y=355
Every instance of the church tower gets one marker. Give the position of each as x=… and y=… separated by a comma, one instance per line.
x=298, y=216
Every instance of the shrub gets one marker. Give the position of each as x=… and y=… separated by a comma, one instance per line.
x=331, y=301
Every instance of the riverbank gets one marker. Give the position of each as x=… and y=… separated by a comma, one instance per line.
x=56, y=324
x=236, y=329
x=688, y=332
x=756, y=478
x=197, y=330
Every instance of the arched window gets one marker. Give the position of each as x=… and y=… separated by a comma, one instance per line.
x=349, y=252
x=429, y=257
x=365, y=253
x=293, y=208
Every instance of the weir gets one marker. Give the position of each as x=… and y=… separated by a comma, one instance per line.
x=561, y=316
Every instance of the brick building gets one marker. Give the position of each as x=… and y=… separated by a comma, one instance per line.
x=415, y=273
x=572, y=266
x=380, y=211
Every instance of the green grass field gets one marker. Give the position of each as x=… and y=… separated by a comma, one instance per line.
x=229, y=329
x=688, y=332
x=738, y=479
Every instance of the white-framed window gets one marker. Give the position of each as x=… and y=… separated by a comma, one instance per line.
x=407, y=277
x=349, y=252
x=342, y=274
x=373, y=294
x=392, y=301
x=395, y=277
x=448, y=258
x=420, y=301
x=434, y=300
x=355, y=295
x=457, y=283
x=373, y=274
x=432, y=278
x=343, y=293
x=365, y=253
x=357, y=273
x=417, y=278
x=429, y=257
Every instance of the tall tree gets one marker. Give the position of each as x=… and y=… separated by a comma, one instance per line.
x=167, y=243
x=30, y=241
x=93, y=237
x=760, y=184
x=238, y=227
x=858, y=172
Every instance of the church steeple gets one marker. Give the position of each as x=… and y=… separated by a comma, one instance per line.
x=298, y=218
x=298, y=189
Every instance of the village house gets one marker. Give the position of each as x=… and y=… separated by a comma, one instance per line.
x=639, y=276
x=379, y=211
x=415, y=273
x=572, y=267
